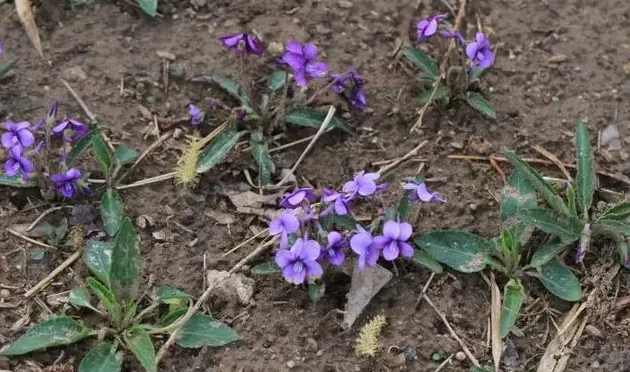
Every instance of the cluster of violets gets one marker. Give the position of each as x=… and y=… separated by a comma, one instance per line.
x=305, y=245
x=478, y=51
x=20, y=137
x=302, y=61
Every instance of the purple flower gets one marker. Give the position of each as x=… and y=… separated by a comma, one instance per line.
x=77, y=127
x=334, y=251
x=18, y=135
x=422, y=193
x=362, y=244
x=52, y=113
x=196, y=115
x=67, y=183
x=353, y=82
x=240, y=115
x=453, y=35
x=363, y=184
x=296, y=197
x=428, y=27
x=302, y=60
x=335, y=201
x=479, y=51
x=1, y=48
x=300, y=262
x=17, y=163
x=242, y=43
x=394, y=240
x=283, y=225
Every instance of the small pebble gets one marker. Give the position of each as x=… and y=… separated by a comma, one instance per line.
x=457, y=145
x=5, y=293
x=343, y=4
x=472, y=206
x=593, y=331
x=319, y=353
x=460, y=356
x=290, y=364
x=166, y=55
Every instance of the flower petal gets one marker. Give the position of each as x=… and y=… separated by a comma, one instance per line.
x=405, y=231
x=336, y=257
x=391, y=230
x=410, y=186
x=310, y=250
x=290, y=222
x=333, y=238
x=317, y=69
x=275, y=226
x=361, y=242
x=59, y=128
x=380, y=241
x=230, y=41
x=471, y=50
x=294, y=273
x=431, y=28
x=313, y=269
x=8, y=140
x=309, y=51
x=294, y=46
x=253, y=46
x=300, y=78
x=73, y=174
x=283, y=258
x=11, y=167
x=391, y=251
x=296, y=198
x=26, y=137
x=341, y=207
x=406, y=250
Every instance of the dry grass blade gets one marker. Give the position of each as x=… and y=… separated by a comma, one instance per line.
x=550, y=361
x=554, y=159
x=495, y=320
x=25, y=12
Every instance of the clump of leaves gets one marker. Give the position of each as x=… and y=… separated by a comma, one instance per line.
x=465, y=63
x=282, y=100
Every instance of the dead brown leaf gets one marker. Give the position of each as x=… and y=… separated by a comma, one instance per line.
x=495, y=321
x=25, y=12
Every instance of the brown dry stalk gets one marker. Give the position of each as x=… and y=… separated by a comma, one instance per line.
x=25, y=12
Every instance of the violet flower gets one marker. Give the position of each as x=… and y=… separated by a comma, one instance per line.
x=242, y=43
x=357, y=99
x=428, y=27
x=302, y=60
x=393, y=242
x=18, y=164
x=196, y=115
x=51, y=115
x=363, y=184
x=352, y=82
x=422, y=193
x=18, y=135
x=334, y=251
x=362, y=244
x=67, y=183
x=296, y=197
x=335, y=201
x=479, y=51
x=76, y=126
x=300, y=262
x=283, y=225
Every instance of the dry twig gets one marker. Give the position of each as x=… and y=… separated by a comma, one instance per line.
x=44, y=282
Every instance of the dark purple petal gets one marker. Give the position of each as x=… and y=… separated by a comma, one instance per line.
x=58, y=178
x=11, y=167
x=471, y=50
x=68, y=190
x=59, y=128
x=52, y=112
x=316, y=69
x=252, y=45
x=25, y=137
x=295, y=61
x=300, y=78
x=336, y=257
x=357, y=99
x=73, y=174
x=309, y=51
x=9, y=140
x=294, y=46
x=231, y=41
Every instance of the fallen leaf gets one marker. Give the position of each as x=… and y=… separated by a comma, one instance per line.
x=495, y=321
x=252, y=200
x=24, y=11
x=220, y=217
x=233, y=288
x=365, y=284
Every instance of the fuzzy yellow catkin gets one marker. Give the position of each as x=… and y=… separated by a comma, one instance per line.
x=367, y=343
x=186, y=172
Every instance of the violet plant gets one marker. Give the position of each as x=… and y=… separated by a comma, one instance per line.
x=463, y=67
x=317, y=233
x=283, y=99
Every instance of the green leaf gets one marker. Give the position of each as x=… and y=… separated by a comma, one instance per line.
x=570, y=194
x=16, y=181
x=422, y=258
x=476, y=101
x=463, y=251
x=125, y=270
x=585, y=179
x=420, y=59
x=82, y=145
x=203, y=329
x=172, y=316
x=440, y=93
x=513, y=296
x=98, y=258
x=313, y=119
x=54, y=331
x=277, y=80
x=426, y=79
x=546, y=252
x=475, y=74
x=479, y=369
x=102, y=153
x=316, y=291
x=560, y=281
x=5, y=68
x=260, y=152
x=620, y=227
x=218, y=149
x=517, y=194
x=333, y=220
x=80, y=297
x=266, y=268
x=124, y=155
x=149, y=7
x=139, y=342
x=102, y=358
x=112, y=211
x=233, y=88
x=107, y=298
x=170, y=295
x=404, y=206
x=544, y=188
x=551, y=223
x=619, y=211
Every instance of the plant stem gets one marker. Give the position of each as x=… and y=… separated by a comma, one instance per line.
x=145, y=311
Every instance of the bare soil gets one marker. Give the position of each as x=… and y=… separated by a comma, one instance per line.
x=557, y=63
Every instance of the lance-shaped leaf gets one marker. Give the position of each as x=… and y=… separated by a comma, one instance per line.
x=277, y=80
x=54, y=331
x=440, y=92
x=80, y=297
x=463, y=251
x=513, y=296
x=546, y=252
x=102, y=358
x=203, y=329
x=16, y=181
x=149, y=7
x=125, y=269
x=102, y=153
x=585, y=179
x=619, y=211
x=422, y=258
x=218, y=149
x=476, y=101
x=620, y=227
x=313, y=119
x=552, y=223
x=260, y=152
x=544, y=188
x=420, y=59
x=98, y=258
x=170, y=295
x=266, y=268
x=82, y=145
x=517, y=194
x=139, y=342
x=124, y=155
x=107, y=298
x=560, y=281
x=112, y=211
x=234, y=89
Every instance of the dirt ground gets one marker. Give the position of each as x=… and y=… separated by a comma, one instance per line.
x=557, y=63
